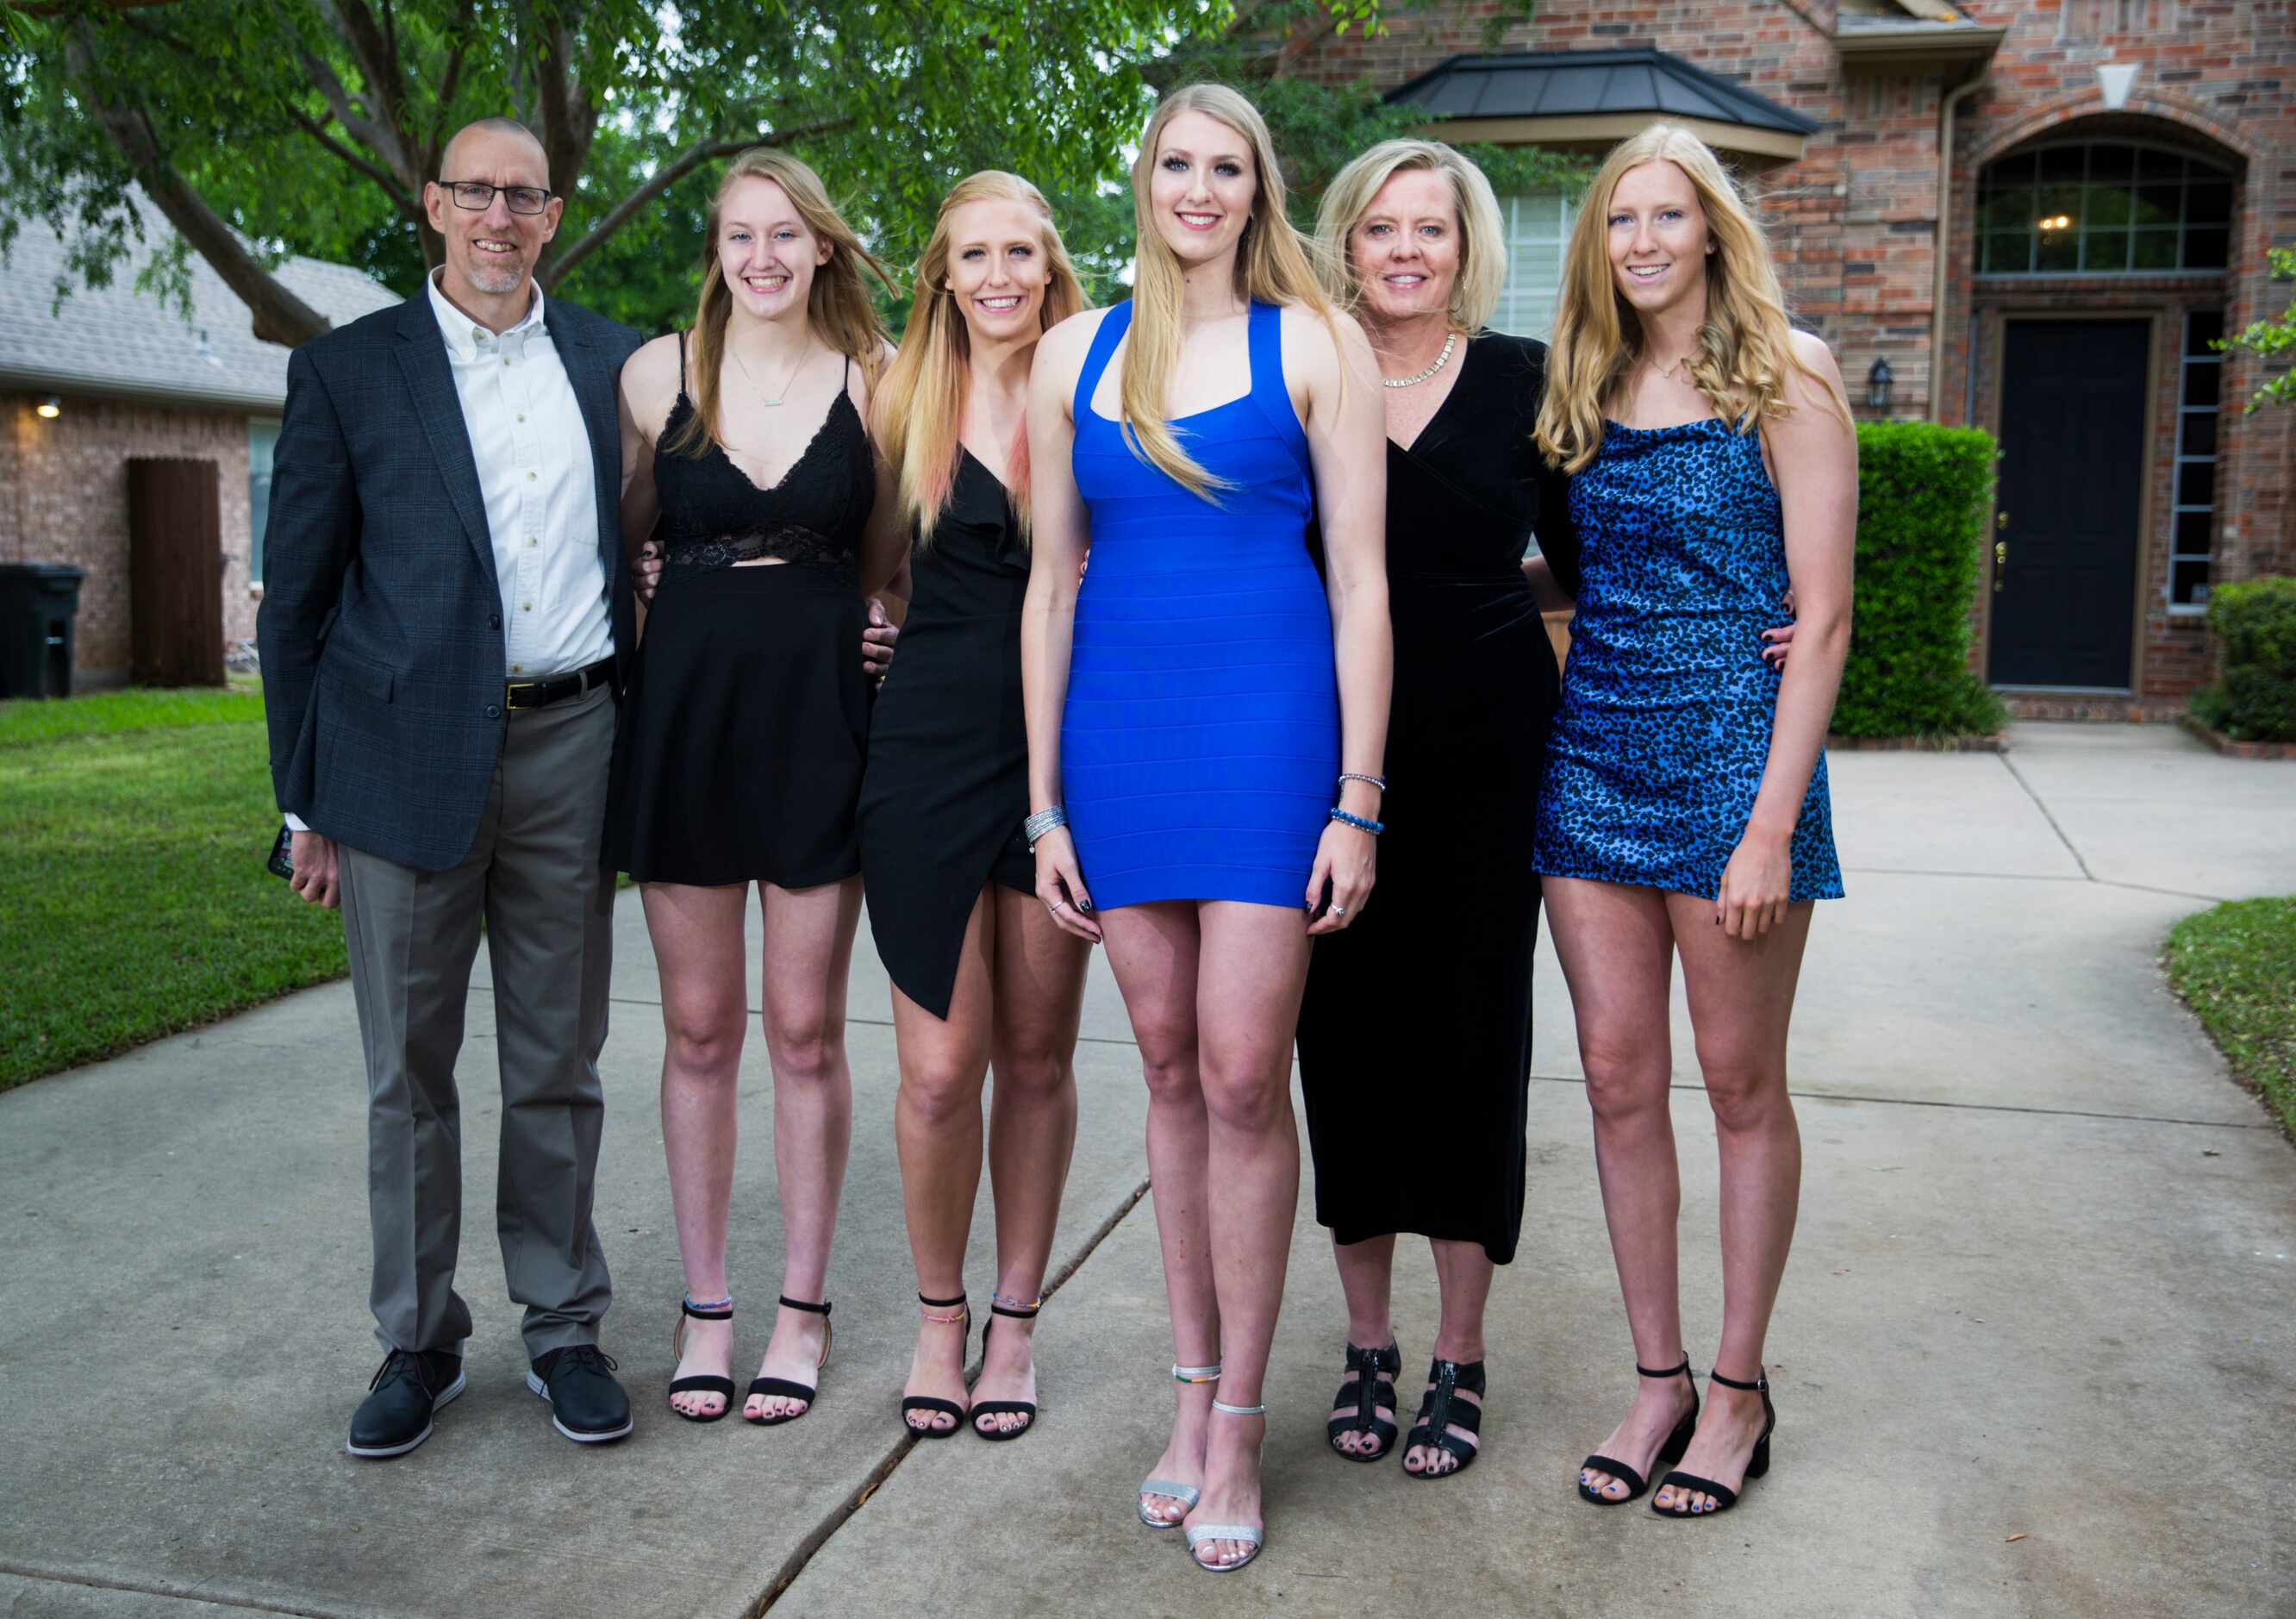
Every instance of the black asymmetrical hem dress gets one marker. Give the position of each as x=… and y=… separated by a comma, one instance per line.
x=947, y=781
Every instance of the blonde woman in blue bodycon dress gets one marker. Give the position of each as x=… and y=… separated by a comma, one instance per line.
x=1207, y=716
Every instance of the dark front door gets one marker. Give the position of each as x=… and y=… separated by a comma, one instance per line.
x=2072, y=480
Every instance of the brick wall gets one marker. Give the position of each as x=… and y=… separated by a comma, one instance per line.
x=64, y=498
x=1854, y=221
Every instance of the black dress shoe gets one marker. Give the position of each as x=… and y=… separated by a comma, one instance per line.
x=586, y=1403
x=408, y=1388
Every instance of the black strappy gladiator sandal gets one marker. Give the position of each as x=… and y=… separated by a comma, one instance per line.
x=960, y=1314
x=1441, y=1411
x=998, y=1305
x=1364, y=1388
x=1676, y=1443
x=782, y=1386
x=722, y=1310
x=1723, y=1497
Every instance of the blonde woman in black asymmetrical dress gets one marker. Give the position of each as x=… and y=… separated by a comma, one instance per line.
x=743, y=735
x=981, y=975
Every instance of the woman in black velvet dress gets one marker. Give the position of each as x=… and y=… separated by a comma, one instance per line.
x=1417, y=1020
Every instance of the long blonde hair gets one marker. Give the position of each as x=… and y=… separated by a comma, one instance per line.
x=837, y=307
x=1482, y=230
x=1273, y=264
x=920, y=406
x=1745, y=349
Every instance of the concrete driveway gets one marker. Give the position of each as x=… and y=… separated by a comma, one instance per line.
x=2043, y=1288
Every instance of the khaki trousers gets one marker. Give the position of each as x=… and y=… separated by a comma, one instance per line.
x=532, y=880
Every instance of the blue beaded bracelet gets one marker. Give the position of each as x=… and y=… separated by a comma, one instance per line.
x=1358, y=822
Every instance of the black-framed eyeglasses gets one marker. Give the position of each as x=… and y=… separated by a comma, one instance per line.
x=478, y=196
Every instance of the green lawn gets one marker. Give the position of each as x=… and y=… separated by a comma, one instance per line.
x=2235, y=967
x=133, y=897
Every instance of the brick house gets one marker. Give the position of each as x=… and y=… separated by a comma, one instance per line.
x=113, y=374
x=2113, y=173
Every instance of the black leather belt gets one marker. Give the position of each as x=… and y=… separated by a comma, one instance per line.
x=542, y=694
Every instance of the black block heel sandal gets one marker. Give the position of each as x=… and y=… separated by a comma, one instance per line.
x=958, y=1314
x=1676, y=1443
x=1364, y=1388
x=1017, y=1311
x=721, y=1311
x=1724, y=1498
x=782, y=1386
x=1442, y=1410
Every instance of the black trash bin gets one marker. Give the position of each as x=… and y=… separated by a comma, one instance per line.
x=39, y=602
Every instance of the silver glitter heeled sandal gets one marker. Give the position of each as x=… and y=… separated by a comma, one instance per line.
x=1251, y=1534
x=1188, y=1495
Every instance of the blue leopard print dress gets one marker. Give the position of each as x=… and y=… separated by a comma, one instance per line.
x=1658, y=747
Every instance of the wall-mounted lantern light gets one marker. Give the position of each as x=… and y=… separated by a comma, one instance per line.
x=1877, y=386
x=49, y=407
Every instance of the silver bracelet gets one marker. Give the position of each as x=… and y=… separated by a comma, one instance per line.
x=1042, y=822
x=1377, y=781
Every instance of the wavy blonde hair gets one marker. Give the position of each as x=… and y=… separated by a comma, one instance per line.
x=837, y=307
x=1273, y=264
x=1745, y=350
x=920, y=406
x=1482, y=231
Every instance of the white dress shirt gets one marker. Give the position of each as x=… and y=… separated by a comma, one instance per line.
x=539, y=483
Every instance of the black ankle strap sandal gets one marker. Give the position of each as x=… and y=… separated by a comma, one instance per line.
x=1676, y=1443
x=1364, y=1390
x=954, y=1312
x=720, y=1311
x=784, y=1386
x=1011, y=1309
x=1721, y=1498
x=1442, y=1410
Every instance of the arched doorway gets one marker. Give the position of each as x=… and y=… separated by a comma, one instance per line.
x=2101, y=262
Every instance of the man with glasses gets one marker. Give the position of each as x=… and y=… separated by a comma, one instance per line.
x=445, y=607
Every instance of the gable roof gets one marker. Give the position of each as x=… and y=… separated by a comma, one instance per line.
x=120, y=343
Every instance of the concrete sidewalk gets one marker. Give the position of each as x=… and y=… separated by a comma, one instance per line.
x=2042, y=1287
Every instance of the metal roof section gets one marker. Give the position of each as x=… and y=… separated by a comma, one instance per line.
x=1566, y=83
x=1597, y=97
x=116, y=342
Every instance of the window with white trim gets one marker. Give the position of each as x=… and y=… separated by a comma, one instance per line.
x=1537, y=227
x=262, y=439
x=2192, y=495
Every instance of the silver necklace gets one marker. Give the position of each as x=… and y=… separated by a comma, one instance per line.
x=786, y=381
x=1441, y=360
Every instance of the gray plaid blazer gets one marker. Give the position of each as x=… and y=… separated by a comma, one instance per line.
x=381, y=630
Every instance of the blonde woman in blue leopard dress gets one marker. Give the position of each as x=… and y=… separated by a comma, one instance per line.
x=1684, y=810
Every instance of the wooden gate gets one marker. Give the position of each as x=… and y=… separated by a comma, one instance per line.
x=175, y=573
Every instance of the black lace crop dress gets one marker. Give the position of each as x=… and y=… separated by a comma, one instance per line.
x=745, y=726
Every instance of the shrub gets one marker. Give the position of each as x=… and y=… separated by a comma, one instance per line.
x=2255, y=626
x=1923, y=492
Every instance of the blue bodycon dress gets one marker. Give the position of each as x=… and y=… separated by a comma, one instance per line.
x=1664, y=732
x=1200, y=746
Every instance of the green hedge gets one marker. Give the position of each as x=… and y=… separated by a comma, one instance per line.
x=1923, y=493
x=2255, y=626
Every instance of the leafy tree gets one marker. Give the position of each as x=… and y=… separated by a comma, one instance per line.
x=310, y=125
x=271, y=127
x=2268, y=340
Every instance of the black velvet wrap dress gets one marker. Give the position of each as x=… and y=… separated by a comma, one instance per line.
x=1415, y=1035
